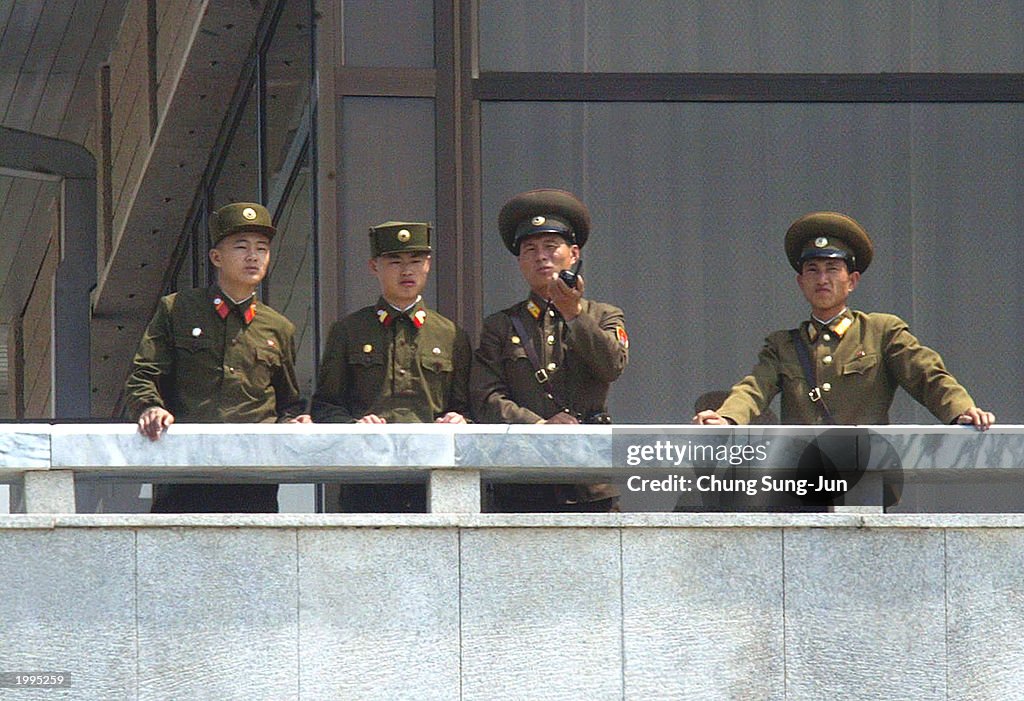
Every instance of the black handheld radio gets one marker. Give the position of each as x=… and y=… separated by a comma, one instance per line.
x=569, y=276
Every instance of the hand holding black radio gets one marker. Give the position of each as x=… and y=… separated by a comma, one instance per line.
x=569, y=277
x=565, y=296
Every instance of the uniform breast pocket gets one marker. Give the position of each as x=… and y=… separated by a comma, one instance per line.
x=365, y=356
x=191, y=353
x=365, y=369
x=437, y=369
x=268, y=360
x=863, y=365
x=860, y=374
x=436, y=359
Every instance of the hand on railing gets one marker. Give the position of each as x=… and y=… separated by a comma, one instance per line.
x=154, y=421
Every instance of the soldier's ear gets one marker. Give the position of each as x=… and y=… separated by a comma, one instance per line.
x=854, y=279
x=215, y=257
x=373, y=265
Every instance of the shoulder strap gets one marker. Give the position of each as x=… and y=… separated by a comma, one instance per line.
x=539, y=373
x=805, y=362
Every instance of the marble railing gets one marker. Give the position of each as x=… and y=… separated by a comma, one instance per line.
x=452, y=460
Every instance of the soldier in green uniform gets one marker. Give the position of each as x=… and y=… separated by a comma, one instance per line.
x=218, y=355
x=394, y=362
x=552, y=357
x=854, y=360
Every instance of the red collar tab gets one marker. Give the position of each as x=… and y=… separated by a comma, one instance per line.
x=223, y=309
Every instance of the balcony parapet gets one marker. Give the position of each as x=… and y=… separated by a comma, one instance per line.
x=453, y=460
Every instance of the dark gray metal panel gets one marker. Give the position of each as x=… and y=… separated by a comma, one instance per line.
x=387, y=168
x=399, y=33
x=780, y=36
x=75, y=278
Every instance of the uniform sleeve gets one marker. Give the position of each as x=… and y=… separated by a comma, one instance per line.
x=152, y=365
x=921, y=372
x=329, y=401
x=600, y=342
x=749, y=397
x=462, y=361
x=289, y=402
x=490, y=394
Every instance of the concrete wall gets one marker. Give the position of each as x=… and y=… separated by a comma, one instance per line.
x=462, y=605
x=665, y=606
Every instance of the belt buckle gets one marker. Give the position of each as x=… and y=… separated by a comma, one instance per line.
x=541, y=375
x=815, y=394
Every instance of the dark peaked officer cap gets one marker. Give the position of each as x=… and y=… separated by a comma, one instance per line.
x=828, y=235
x=543, y=211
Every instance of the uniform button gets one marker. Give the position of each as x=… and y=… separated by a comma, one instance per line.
x=231, y=371
x=827, y=360
x=551, y=313
x=827, y=387
x=550, y=396
x=552, y=366
x=401, y=371
x=826, y=337
x=551, y=340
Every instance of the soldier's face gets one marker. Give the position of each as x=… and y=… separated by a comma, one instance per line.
x=826, y=283
x=241, y=260
x=402, y=276
x=543, y=256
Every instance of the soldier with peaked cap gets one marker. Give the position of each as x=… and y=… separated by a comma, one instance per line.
x=394, y=362
x=854, y=360
x=219, y=355
x=552, y=357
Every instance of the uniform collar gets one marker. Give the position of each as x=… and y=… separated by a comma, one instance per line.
x=386, y=312
x=222, y=305
x=536, y=305
x=838, y=325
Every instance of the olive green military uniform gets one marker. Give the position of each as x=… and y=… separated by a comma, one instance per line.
x=843, y=370
x=580, y=358
x=206, y=360
x=404, y=367
x=408, y=366
x=859, y=361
